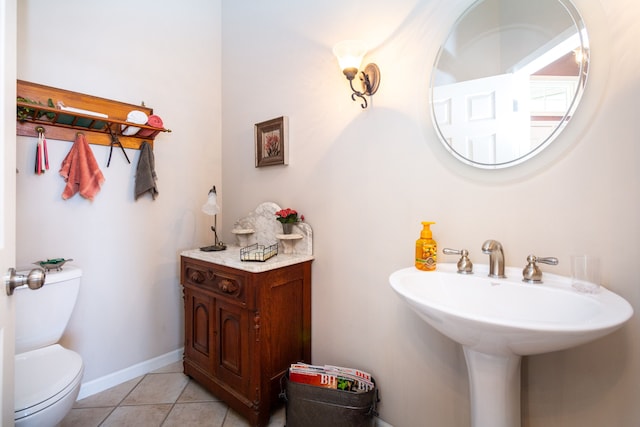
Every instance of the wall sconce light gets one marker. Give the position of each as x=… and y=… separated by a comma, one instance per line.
x=211, y=208
x=350, y=54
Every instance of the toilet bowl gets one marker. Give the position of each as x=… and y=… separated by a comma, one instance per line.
x=47, y=375
x=47, y=384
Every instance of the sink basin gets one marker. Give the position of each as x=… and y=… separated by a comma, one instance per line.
x=499, y=320
x=501, y=316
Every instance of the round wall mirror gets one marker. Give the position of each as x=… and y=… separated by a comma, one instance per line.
x=508, y=79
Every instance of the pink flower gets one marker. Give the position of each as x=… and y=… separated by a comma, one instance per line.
x=288, y=215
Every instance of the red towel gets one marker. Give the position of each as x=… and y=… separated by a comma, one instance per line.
x=80, y=171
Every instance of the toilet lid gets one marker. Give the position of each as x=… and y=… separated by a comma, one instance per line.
x=45, y=374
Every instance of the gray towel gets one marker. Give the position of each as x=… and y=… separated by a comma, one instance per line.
x=146, y=174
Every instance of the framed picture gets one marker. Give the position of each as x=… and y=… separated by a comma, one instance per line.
x=272, y=142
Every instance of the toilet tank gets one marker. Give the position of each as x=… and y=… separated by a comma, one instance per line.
x=41, y=315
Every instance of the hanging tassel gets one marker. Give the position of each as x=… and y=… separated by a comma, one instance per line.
x=45, y=152
x=42, y=169
x=39, y=154
x=37, y=168
x=42, y=156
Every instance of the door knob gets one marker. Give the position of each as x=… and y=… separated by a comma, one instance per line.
x=35, y=279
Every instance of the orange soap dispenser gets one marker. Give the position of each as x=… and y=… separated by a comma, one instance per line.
x=426, y=249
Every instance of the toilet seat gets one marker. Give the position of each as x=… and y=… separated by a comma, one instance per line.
x=45, y=376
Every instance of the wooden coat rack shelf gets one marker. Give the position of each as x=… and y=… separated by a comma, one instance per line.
x=64, y=125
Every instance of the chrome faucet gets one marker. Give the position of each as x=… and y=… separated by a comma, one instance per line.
x=496, y=258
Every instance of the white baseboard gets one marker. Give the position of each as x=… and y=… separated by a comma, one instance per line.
x=103, y=383
x=381, y=423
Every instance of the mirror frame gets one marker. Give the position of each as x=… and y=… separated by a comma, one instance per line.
x=584, y=67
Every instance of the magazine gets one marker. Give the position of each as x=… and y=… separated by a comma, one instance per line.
x=329, y=376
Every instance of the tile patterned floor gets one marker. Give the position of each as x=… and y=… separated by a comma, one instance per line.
x=163, y=398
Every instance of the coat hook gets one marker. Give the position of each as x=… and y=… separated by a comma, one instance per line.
x=39, y=129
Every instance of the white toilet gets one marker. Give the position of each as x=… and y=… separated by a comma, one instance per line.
x=47, y=375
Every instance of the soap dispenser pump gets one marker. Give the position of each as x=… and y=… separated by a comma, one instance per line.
x=426, y=249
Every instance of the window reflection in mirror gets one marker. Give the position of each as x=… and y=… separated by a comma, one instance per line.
x=508, y=79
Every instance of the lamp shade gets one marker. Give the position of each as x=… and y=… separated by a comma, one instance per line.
x=211, y=207
x=350, y=53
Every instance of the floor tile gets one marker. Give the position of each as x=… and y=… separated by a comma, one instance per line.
x=171, y=368
x=86, y=417
x=109, y=397
x=199, y=414
x=157, y=388
x=235, y=420
x=194, y=392
x=138, y=416
x=164, y=398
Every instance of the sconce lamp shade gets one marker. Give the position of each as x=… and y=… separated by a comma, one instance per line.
x=350, y=54
x=211, y=206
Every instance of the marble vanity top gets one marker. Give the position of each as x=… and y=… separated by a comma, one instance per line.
x=230, y=257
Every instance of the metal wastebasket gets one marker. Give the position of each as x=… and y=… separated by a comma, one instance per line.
x=313, y=406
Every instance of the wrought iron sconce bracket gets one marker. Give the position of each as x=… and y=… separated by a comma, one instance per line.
x=370, y=79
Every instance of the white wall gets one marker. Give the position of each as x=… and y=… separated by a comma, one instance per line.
x=365, y=179
x=166, y=54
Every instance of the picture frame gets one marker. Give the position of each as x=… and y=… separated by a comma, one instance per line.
x=272, y=142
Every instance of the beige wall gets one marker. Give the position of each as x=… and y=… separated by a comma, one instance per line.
x=365, y=179
x=166, y=54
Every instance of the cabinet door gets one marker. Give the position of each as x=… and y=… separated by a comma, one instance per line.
x=233, y=347
x=199, y=329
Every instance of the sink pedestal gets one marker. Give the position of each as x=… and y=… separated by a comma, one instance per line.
x=494, y=382
x=497, y=321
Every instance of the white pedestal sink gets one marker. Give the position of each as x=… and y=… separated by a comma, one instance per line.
x=497, y=321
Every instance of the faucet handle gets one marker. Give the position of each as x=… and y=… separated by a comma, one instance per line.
x=465, y=266
x=531, y=272
x=551, y=260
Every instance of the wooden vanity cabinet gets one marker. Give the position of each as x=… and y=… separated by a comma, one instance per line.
x=243, y=329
